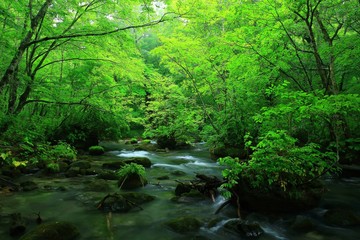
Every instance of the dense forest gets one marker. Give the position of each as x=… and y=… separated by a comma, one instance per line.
x=274, y=83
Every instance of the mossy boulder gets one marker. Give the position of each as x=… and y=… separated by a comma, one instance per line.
x=28, y=186
x=98, y=185
x=114, y=165
x=132, y=181
x=53, y=231
x=123, y=202
x=107, y=175
x=184, y=224
x=244, y=228
x=72, y=172
x=82, y=164
x=143, y=161
x=96, y=150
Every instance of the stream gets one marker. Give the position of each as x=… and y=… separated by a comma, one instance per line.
x=78, y=206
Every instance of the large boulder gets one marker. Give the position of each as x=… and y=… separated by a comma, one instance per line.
x=53, y=231
x=132, y=181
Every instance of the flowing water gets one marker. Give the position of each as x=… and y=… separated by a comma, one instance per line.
x=76, y=205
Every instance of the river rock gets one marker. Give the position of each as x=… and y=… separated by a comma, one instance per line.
x=184, y=224
x=302, y=224
x=82, y=164
x=143, y=161
x=182, y=188
x=341, y=217
x=18, y=225
x=53, y=231
x=132, y=181
x=164, y=177
x=244, y=228
x=114, y=165
x=96, y=150
x=108, y=175
x=123, y=202
x=28, y=186
x=178, y=173
x=72, y=172
x=98, y=185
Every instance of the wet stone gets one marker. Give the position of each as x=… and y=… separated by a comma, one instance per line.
x=244, y=228
x=184, y=224
x=28, y=186
x=53, y=231
x=341, y=217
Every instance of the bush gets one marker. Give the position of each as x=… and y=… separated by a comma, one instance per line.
x=131, y=168
x=278, y=163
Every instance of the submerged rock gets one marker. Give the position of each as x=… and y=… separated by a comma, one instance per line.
x=114, y=165
x=53, y=231
x=123, y=202
x=244, y=228
x=184, y=224
x=341, y=217
x=108, y=175
x=98, y=185
x=302, y=224
x=28, y=186
x=18, y=225
x=81, y=164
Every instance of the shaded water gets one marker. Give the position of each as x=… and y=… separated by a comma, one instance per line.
x=77, y=205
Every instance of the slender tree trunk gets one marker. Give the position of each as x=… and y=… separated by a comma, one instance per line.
x=10, y=74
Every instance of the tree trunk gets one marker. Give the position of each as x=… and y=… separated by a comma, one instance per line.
x=10, y=74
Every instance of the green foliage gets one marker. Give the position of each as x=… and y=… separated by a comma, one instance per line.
x=6, y=158
x=278, y=163
x=171, y=114
x=130, y=169
x=53, y=167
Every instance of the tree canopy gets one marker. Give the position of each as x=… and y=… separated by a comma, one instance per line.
x=228, y=72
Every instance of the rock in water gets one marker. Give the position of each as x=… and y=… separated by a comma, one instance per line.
x=53, y=231
x=184, y=224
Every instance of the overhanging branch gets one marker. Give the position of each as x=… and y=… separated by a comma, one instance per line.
x=149, y=24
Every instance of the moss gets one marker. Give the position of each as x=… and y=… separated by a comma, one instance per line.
x=96, y=150
x=184, y=224
x=53, y=231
